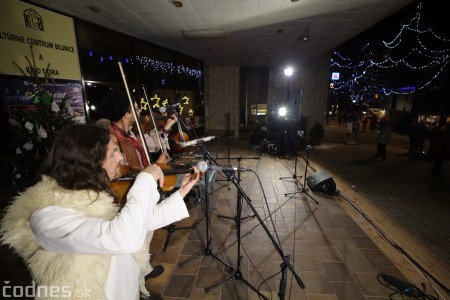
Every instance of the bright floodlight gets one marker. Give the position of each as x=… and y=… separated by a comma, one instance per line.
x=282, y=111
x=288, y=71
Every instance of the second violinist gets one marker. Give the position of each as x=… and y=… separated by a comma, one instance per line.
x=157, y=137
x=116, y=112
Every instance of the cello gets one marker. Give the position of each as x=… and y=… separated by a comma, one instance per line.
x=178, y=138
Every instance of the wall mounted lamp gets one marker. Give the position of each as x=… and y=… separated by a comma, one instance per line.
x=306, y=34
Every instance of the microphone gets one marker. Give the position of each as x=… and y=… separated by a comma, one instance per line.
x=202, y=166
x=163, y=109
x=196, y=142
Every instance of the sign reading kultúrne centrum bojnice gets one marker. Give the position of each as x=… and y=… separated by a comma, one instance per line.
x=51, y=35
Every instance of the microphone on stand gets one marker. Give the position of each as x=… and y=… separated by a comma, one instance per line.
x=196, y=141
x=202, y=166
x=163, y=109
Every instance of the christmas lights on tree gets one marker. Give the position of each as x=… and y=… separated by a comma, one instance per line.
x=411, y=62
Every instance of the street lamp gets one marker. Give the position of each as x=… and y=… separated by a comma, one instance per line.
x=288, y=71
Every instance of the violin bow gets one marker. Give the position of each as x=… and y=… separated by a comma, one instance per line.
x=136, y=117
x=153, y=120
x=180, y=130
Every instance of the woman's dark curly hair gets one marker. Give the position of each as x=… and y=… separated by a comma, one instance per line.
x=76, y=156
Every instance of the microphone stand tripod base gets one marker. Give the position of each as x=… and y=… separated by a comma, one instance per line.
x=237, y=276
x=303, y=188
x=172, y=228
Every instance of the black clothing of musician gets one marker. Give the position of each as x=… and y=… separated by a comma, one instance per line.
x=259, y=138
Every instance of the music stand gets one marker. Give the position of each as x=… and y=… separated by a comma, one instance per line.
x=303, y=188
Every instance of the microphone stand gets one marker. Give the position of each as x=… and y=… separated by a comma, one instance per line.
x=237, y=218
x=172, y=227
x=238, y=274
x=294, y=176
x=229, y=158
x=303, y=188
x=208, y=249
x=282, y=287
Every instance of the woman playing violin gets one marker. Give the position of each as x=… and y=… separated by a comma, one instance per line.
x=70, y=233
x=115, y=107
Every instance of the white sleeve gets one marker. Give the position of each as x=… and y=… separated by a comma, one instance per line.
x=169, y=210
x=65, y=230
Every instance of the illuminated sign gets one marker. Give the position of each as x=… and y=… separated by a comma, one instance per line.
x=335, y=75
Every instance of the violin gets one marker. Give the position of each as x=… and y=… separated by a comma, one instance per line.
x=122, y=185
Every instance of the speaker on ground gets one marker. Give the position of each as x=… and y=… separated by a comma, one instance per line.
x=321, y=181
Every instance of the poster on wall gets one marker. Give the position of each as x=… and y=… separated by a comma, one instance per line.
x=18, y=94
x=30, y=31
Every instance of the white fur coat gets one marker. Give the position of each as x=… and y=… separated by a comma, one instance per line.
x=60, y=269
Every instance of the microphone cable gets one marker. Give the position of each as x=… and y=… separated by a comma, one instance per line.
x=403, y=288
x=425, y=274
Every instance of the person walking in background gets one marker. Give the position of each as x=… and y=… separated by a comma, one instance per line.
x=345, y=119
x=373, y=122
x=365, y=121
x=413, y=137
x=433, y=139
x=442, y=152
x=383, y=136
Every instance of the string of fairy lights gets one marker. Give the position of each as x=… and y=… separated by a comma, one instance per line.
x=154, y=65
x=421, y=57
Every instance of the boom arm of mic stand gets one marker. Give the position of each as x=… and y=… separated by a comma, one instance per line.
x=232, y=178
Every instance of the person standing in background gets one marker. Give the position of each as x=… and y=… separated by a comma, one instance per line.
x=442, y=153
x=383, y=136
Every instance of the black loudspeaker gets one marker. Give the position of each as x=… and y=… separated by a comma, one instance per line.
x=321, y=181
